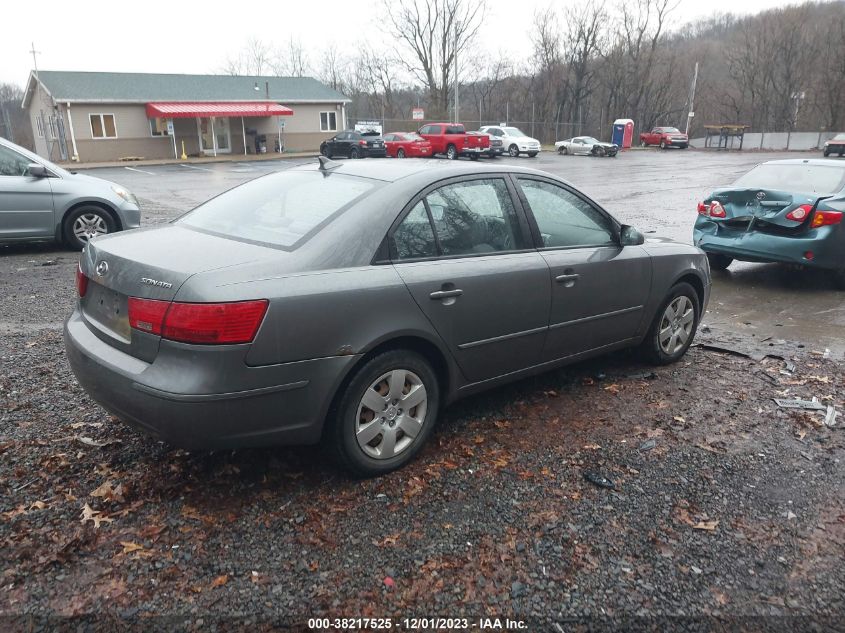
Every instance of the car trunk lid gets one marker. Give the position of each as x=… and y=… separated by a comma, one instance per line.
x=132, y=264
x=761, y=209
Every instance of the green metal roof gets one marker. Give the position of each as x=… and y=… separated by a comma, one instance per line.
x=145, y=87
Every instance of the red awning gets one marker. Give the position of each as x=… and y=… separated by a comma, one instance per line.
x=184, y=110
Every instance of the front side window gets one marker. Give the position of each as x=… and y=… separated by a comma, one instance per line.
x=12, y=163
x=564, y=219
x=282, y=209
x=158, y=126
x=414, y=237
x=474, y=216
x=328, y=121
x=102, y=126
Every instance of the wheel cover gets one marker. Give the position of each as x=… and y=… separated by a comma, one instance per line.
x=89, y=225
x=676, y=325
x=391, y=414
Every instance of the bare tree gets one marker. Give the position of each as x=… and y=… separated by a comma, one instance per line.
x=14, y=121
x=334, y=69
x=431, y=32
x=255, y=58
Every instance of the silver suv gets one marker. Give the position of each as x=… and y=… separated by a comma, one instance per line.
x=42, y=201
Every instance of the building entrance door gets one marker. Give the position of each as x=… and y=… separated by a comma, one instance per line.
x=215, y=135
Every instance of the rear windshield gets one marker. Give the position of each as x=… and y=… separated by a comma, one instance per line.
x=281, y=210
x=808, y=178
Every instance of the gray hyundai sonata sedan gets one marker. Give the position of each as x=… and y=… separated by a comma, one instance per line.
x=351, y=301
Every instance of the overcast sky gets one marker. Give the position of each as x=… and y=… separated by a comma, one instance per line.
x=190, y=36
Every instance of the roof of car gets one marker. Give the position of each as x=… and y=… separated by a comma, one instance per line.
x=826, y=162
x=393, y=170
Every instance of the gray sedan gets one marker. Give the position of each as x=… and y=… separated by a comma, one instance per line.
x=351, y=301
x=42, y=201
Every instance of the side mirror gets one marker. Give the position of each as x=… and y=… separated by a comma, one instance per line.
x=629, y=236
x=36, y=170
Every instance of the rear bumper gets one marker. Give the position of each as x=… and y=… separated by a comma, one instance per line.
x=278, y=404
x=375, y=152
x=755, y=246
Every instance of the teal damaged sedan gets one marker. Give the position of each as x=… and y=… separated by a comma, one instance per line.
x=786, y=211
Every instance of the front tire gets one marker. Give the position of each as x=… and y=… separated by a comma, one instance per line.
x=719, y=262
x=400, y=153
x=386, y=413
x=673, y=329
x=85, y=223
x=324, y=150
x=513, y=151
x=662, y=144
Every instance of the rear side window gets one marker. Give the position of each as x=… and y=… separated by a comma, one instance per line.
x=455, y=129
x=805, y=177
x=414, y=237
x=282, y=210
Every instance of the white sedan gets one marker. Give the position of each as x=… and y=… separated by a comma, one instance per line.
x=586, y=145
x=515, y=141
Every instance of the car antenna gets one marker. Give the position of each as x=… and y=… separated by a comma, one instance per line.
x=327, y=164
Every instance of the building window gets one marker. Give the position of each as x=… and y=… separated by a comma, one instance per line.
x=39, y=126
x=328, y=121
x=54, y=129
x=102, y=126
x=158, y=126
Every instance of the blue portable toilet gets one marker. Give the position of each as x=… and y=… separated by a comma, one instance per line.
x=623, y=133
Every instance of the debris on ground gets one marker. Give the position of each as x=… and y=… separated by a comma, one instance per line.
x=648, y=445
x=797, y=403
x=830, y=416
x=599, y=480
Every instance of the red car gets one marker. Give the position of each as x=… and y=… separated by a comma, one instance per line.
x=664, y=137
x=407, y=144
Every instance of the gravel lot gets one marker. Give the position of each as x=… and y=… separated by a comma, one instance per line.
x=723, y=505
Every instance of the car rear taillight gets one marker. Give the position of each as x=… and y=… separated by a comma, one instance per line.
x=717, y=210
x=205, y=323
x=81, y=281
x=799, y=214
x=825, y=218
x=702, y=208
x=362, y=142
x=147, y=315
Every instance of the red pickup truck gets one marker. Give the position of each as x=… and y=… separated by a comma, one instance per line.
x=452, y=140
x=665, y=137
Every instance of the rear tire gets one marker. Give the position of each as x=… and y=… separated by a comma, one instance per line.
x=562, y=150
x=839, y=279
x=451, y=153
x=719, y=262
x=371, y=384
x=662, y=144
x=354, y=153
x=86, y=222
x=473, y=156
x=674, y=326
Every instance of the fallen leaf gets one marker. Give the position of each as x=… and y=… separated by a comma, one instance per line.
x=129, y=547
x=92, y=442
x=592, y=447
x=109, y=493
x=679, y=418
x=96, y=516
x=220, y=581
x=614, y=388
x=39, y=505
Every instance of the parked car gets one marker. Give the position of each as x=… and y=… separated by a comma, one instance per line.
x=836, y=145
x=664, y=137
x=786, y=211
x=586, y=145
x=406, y=144
x=42, y=201
x=354, y=144
x=452, y=140
x=352, y=301
x=496, y=148
x=514, y=140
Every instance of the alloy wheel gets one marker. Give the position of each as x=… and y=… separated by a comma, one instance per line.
x=513, y=151
x=676, y=325
x=88, y=226
x=391, y=414
x=400, y=153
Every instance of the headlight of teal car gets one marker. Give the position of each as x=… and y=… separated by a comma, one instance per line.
x=126, y=195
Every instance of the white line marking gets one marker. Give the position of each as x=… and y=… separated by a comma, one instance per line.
x=193, y=167
x=140, y=170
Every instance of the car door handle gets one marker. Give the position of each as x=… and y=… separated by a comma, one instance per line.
x=446, y=294
x=563, y=279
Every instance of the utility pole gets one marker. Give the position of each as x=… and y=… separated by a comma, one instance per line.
x=691, y=111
